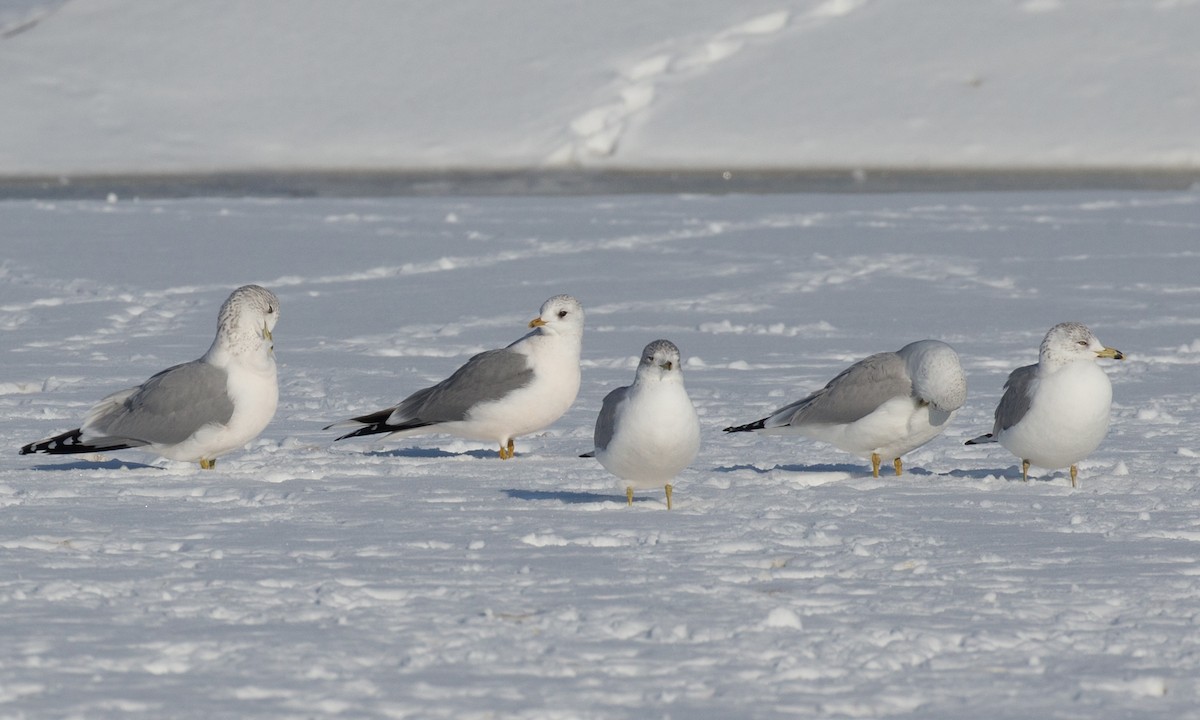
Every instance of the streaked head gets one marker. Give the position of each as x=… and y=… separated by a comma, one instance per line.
x=251, y=311
x=936, y=373
x=1071, y=341
x=660, y=357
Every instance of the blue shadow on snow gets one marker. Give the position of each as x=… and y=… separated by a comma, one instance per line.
x=567, y=497
x=824, y=467
x=417, y=452
x=95, y=465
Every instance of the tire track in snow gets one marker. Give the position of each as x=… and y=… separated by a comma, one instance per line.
x=596, y=133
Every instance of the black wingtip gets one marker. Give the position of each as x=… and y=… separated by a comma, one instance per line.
x=748, y=427
x=979, y=440
x=368, y=430
x=373, y=424
x=589, y=454
x=71, y=442
x=382, y=427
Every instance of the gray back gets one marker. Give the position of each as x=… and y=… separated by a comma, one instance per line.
x=487, y=376
x=172, y=405
x=606, y=422
x=855, y=393
x=1018, y=393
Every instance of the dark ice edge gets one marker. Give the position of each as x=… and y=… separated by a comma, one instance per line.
x=578, y=182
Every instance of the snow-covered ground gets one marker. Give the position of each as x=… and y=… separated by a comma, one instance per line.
x=112, y=86
x=426, y=578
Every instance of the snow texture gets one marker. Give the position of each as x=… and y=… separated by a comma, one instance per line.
x=127, y=86
x=425, y=578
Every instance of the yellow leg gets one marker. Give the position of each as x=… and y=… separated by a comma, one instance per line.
x=899, y=467
x=875, y=464
x=1074, y=472
x=208, y=464
x=507, y=452
x=512, y=452
x=669, y=489
x=629, y=495
x=1025, y=470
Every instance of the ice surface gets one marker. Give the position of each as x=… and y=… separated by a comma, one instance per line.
x=425, y=578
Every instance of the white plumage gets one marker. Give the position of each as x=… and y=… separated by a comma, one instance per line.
x=498, y=395
x=197, y=411
x=882, y=406
x=648, y=432
x=1056, y=413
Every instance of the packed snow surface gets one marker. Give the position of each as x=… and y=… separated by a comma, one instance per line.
x=128, y=86
x=426, y=578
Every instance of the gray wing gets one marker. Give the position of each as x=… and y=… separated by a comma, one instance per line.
x=1018, y=394
x=487, y=376
x=606, y=422
x=855, y=393
x=168, y=408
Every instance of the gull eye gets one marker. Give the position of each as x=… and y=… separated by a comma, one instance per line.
x=562, y=313
x=1083, y=343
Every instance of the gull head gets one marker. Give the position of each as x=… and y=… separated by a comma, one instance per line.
x=560, y=315
x=248, y=317
x=936, y=373
x=1071, y=341
x=660, y=359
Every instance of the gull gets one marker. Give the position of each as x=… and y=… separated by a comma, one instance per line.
x=197, y=411
x=648, y=432
x=1055, y=413
x=497, y=395
x=882, y=406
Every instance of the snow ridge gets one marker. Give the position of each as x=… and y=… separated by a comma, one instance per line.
x=596, y=133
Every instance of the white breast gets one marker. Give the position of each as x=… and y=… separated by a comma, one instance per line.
x=656, y=435
x=1067, y=419
x=548, y=395
x=253, y=387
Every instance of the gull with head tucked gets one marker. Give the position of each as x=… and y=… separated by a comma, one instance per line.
x=199, y=410
x=881, y=407
x=1055, y=413
x=497, y=395
x=648, y=432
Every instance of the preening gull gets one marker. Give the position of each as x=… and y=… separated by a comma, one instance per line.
x=882, y=406
x=197, y=411
x=1055, y=413
x=648, y=432
x=497, y=395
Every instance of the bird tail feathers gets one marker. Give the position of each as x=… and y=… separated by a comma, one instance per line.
x=981, y=440
x=376, y=423
x=748, y=427
x=72, y=442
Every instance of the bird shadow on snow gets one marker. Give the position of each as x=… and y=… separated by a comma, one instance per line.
x=1012, y=473
x=418, y=452
x=819, y=468
x=1009, y=474
x=567, y=497
x=96, y=465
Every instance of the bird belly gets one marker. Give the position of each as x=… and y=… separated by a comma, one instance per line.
x=657, y=436
x=529, y=409
x=255, y=395
x=890, y=430
x=924, y=424
x=1067, y=420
